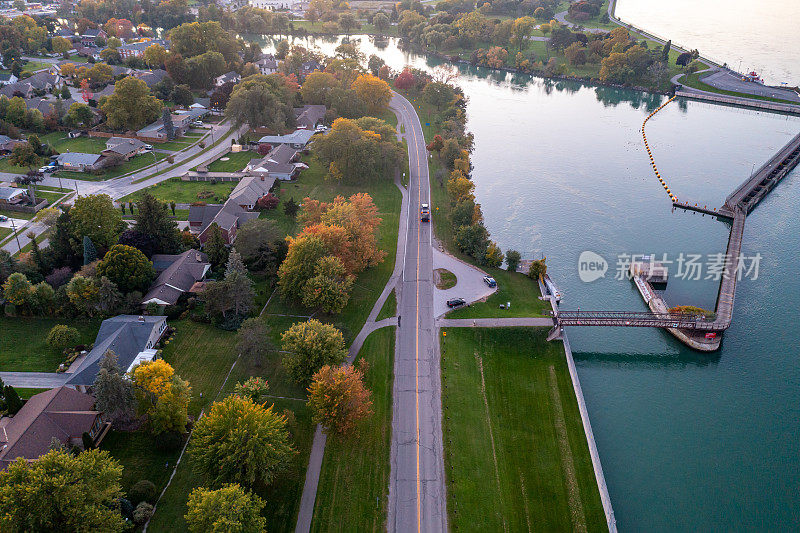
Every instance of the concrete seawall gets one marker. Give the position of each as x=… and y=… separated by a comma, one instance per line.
x=740, y=101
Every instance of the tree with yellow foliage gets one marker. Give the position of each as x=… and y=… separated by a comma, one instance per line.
x=373, y=91
x=162, y=395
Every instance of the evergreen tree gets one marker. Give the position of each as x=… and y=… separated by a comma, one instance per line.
x=215, y=247
x=36, y=252
x=89, y=251
x=169, y=128
x=290, y=208
x=665, y=50
x=113, y=391
x=153, y=221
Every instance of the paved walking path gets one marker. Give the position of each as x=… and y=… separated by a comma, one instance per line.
x=494, y=322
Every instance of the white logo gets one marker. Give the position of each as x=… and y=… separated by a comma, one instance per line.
x=591, y=266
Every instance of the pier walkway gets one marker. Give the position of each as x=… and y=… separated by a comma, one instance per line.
x=691, y=328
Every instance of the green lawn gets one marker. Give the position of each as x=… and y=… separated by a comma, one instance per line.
x=140, y=457
x=369, y=283
x=354, y=482
x=516, y=456
x=389, y=308
x=33, y=66
x=177, y=144
x=5, y=232
x=26, y=394
x=519, y=289
x=235, y=163
x=16, y=214
x=23, y=345
x=175, y=190
x=203, y=355
x=446, y=279
x=87, y=145
x=135, y=163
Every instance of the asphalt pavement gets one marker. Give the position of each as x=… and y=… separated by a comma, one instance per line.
x=417, y=498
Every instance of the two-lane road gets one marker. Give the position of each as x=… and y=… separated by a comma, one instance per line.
x=416, y=485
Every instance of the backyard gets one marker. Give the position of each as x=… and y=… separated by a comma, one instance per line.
x=186, y=192
x=24, y=342
x=516, y=456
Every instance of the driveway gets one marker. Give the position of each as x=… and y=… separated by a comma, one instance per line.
x=34, y=380
x=469, y=282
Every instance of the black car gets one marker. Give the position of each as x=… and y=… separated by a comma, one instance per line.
x=456, y=302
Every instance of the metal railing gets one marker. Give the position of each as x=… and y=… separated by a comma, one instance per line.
x=636, y=319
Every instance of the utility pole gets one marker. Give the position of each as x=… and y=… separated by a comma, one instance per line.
x=16, y=235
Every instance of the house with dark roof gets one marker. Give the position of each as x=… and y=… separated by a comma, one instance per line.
x=79, y=162
x=45, y=80
x=61, y=413
x=177, y=274
x=279, y=163
x=68, y=34
x=7, y=77
x=137, y=49
x=12, y=195
x=308, y=67
x=229, y=217
x=297, y=140
x=231, y=76
x=7, y=143
x=181, y=121
x=151, y=77
x=21, y=88
x=89, y=36
x=267, y=65
x=47, y=105
x=132, y=338
x=309, y=116
x=123, y=146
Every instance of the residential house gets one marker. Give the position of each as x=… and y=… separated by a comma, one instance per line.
x=68, y=34
x=90, y=36
x=309, y=116
x=231, y=76
x=132, y=338
x=267, y=65
x=279, y=163
x=308, y=67
x=45, y=80
x=123, y=146
x=181, y=121
x=108, y=90
x=79, y=162
x=151, y=77
x=22, y=89
x=48, y=106
x=275, y=5
x=297, y=140
x=137, y=49
x=7, y=143
x=236, y=210
x=7, y=78
x=61, y=413
x=12, y=195
x=89, y=51
x=177, y=275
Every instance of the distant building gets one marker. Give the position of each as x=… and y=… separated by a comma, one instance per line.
x=7, y=78
x=61, y=413
x=279, y=163
x=267, y=65
x=309, y=116
x=151, y=77
x=296, y=140
x=132, y=338
x=308, y=67
x=79, y=162
x=181, y=121
x=137, y=49
x=45, y=80
x=275, y=5
x=177, y=275
x=12, y=195
x=123, y=146
x=231, y=76
x=22, y=89
x=90, y=36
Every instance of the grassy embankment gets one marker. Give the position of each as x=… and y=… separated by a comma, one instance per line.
x=516, y=456
x=365, y=29
x=354, y=483
x=695, y=81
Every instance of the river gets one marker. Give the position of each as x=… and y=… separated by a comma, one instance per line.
x=688, y=441
x=759, y=35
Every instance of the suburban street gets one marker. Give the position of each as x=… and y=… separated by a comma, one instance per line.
x=417, y=498
x=119, y=187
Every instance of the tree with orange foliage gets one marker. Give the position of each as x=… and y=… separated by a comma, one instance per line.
x=373, y=91
x=338, y=399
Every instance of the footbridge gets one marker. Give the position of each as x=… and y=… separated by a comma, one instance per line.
x=699, y=331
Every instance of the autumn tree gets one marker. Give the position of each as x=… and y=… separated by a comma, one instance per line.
x=329, y=288
x=155, y=56
x=239, y=441
x=79, y=115
x=17, y=288
x=298, y=267
x=373, y=91
x=255, y=388
x=127, y=267
x=162, y=395
x=131, y=106
x=317, y=87
x=309, y=346
x=61, y=45
x=438, y=94
x=224, y=510
x=338, y=398
x=61, y=491
x=83, y=293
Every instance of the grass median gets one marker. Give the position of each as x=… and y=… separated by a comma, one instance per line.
x=516, y=456
x=354, y=482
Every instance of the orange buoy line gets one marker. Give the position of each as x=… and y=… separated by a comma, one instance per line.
x=650, y=153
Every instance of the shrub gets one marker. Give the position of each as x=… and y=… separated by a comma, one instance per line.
x=142, y=491
x=62, y=337
x=142, y=513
